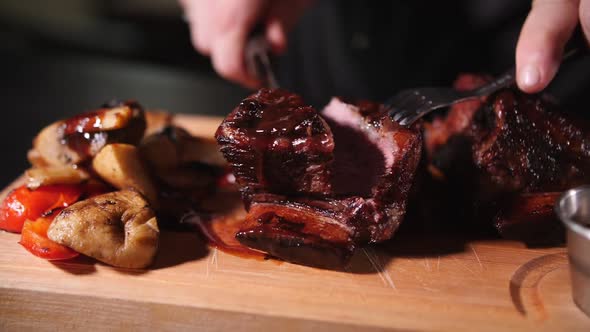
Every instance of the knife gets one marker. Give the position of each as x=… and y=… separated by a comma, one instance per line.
x=259, y=59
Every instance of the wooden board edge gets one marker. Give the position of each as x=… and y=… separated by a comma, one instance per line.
x=42, y=311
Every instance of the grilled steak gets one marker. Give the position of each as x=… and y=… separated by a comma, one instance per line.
x=276, y=144
x=509, y=155
x=318, y=186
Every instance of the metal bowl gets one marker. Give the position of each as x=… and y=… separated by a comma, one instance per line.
x=573, y=208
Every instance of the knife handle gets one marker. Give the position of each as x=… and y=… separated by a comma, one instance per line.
x=259, y=59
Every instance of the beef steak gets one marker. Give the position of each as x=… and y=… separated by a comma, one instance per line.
x=508, y=156
x=317, y=186
x=275, y=143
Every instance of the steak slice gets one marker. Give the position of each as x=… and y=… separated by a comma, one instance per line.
x=531, y=218
x=509, y=156
x=347, y=185
x=318, y=233
x=275, y=143
x=514, y=141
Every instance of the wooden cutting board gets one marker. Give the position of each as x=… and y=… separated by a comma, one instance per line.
x=418, y=283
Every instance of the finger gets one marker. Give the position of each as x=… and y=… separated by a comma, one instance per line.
x=282, y=17
x=227, y=56
x=276, y=36
x=585, y=18
x=230, y=29
x=198, y=24
x=203, y=27
x=547, y=28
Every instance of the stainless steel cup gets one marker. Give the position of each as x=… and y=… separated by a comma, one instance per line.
x=573, y=208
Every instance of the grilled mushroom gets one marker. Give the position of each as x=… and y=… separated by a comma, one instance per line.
x=75, y=140
x=173, y=147
x=42, y=176
x=122, y=166
x=117, y=228
x=180, y=160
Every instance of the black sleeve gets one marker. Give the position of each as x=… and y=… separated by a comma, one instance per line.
x=371, y=49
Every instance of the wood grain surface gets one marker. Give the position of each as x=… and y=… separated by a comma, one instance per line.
x=412, y=283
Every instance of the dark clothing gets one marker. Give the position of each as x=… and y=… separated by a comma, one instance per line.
x=371, y=49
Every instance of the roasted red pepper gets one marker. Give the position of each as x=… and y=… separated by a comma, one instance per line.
x=34, y=239
x=23, y=203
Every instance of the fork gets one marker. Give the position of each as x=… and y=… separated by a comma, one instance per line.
x=407, y=106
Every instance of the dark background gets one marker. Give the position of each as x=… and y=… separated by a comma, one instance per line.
x=62, y=57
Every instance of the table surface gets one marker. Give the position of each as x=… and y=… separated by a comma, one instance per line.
x=411, y=283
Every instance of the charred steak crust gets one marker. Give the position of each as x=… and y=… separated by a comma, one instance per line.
x=530, y=147
x=530, y=218
x=275, y=143
x=516, y=142
x=509, y=156
x=299, y=209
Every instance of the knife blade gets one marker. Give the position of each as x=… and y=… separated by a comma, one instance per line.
x=259, y=60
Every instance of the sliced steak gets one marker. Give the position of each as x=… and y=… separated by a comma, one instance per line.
x=318, y=186
x=275, y=143
x=530, y=218
x=515, y=142
x=508, y=156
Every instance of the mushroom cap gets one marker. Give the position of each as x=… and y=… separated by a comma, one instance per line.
x=117, y=228
x=75, y=140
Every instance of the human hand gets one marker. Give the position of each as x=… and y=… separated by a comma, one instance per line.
x=220, y=29
x=548, y=27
